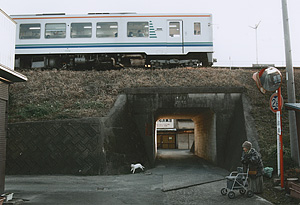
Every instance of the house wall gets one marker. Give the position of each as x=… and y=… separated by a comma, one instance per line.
x=3, y=124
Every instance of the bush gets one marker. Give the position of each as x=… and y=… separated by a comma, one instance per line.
x=270, y=160
x=30, y=111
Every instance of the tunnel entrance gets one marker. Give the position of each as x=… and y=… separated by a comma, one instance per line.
x=218, y=115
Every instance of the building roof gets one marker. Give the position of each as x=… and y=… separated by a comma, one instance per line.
x=11, y=76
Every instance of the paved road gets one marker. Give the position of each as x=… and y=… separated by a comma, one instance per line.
x=178, y=178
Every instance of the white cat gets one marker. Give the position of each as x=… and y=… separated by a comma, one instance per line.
x=136, y=166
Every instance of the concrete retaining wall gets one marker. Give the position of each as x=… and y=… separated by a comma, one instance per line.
x=55, y=147
x=88, y=146
x=110, y=144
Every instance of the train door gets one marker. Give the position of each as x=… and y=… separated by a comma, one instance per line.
x=175, y=37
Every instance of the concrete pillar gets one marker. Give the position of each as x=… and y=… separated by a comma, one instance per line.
x=146, y=127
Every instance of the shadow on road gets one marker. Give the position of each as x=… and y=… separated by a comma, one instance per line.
x=178, y=178
x=181, y=169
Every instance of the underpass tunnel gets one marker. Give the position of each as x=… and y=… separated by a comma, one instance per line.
x=221, y=117
x=201, y=139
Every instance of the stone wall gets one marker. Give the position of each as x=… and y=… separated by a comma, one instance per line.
x=90, y=146
x=56, y=147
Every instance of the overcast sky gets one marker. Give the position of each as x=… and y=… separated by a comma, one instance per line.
x=234, y=39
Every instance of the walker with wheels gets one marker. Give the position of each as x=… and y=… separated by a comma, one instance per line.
x=237, y=180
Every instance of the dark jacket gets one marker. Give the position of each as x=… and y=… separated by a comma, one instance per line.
x=252, y=160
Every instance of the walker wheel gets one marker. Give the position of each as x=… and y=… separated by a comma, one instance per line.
x=242, y=191
x=224, y=191
x=231, y=195
x=250, y=193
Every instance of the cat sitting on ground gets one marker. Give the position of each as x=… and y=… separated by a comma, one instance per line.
x=136, y=166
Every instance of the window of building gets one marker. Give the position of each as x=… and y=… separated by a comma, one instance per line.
x=30, y=31
x=174, y=29
x=55, y=30
x=197, y=28
x=81, y=30
x=137, y=29
x=165, y=120
x=107, y=30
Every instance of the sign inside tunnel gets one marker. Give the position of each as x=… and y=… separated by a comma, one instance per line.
x=180, y=101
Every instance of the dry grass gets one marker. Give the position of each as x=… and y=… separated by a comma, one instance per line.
x=92, y=93
x=58, y=94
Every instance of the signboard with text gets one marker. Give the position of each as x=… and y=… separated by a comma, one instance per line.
x=274, y=102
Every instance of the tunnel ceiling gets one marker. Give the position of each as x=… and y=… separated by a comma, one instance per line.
x=180, y=113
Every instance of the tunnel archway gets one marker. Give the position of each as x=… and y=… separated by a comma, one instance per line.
x=219, y=115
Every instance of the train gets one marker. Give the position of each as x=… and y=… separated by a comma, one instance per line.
x=104, y=40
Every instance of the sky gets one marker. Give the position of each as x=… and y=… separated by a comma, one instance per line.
x=233, y=21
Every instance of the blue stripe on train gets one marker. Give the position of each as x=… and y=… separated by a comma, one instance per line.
x=105, y=46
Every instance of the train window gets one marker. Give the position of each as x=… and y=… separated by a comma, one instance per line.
x=138, y=29
x=30, y=31
x=107, y=30
x=55, y=30
x=197, y=28
x=81, y=30
x=174, y=29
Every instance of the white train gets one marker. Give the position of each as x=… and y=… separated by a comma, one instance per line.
x=100, y=40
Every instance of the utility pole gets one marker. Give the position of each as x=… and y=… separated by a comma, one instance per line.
x=290, y=84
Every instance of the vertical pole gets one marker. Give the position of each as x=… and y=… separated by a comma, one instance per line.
x=278, y=153
x=278, y=140
x=290, y=85
x=256, y=45
x=279, y=132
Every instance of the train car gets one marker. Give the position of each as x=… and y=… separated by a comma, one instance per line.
x=98, y=40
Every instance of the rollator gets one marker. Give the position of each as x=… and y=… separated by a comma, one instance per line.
x=237, y=180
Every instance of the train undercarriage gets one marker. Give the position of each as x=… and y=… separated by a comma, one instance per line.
x=110, y=61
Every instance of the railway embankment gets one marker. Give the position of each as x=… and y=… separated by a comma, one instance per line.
x=63, y=94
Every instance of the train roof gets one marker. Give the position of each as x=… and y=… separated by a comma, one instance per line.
x=106, y=15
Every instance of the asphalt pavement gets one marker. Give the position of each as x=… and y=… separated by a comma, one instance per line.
x=178, y=178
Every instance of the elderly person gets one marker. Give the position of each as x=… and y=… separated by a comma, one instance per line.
x=251, y=159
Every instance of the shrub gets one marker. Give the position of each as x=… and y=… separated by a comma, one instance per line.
x=32, y=110
x=270, y=160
